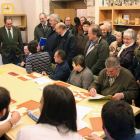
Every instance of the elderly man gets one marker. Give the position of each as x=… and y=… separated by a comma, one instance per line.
x=118, y=122
x=67, y=42
x=69, y=26
x=96, y=50
x=82, y=20
x=116, y=81
x=52, y=36
x=110, y=30
x=41, y=29
x=106, y=35
x=10, y=42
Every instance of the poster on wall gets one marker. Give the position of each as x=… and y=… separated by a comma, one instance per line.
x=7, y=8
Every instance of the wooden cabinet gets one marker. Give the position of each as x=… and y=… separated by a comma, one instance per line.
x=112, y=13
x=20, y=21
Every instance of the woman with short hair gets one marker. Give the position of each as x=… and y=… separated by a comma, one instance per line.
x=81, y=76
x=57, y=119
x=126, y=53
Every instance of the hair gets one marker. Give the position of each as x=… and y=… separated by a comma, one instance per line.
x=112, y=62
x=65, y=18
x=108, y=23
x=62, y=25
x=32, y=46
x=61, y=54
x=5, y=98
x=43, y=14
x=59, y=108
x=76, y=20
x=86, y=22
x=79, y=60
x=130, y=33
x=56, y=17
x=6, y=18
x=96, y=30
x=83, y=17
x=104, y=26
x=118, y=119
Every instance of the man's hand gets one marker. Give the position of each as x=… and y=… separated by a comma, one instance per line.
x=22, y=63
x=93, y=92
x=44, y=73
x=42, y=47
x=117, y=96
x=93, y=137
x=15, y=117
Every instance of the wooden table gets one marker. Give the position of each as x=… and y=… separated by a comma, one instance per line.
x=22, y=91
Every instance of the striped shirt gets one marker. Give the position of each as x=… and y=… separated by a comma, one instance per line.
x=39, y=62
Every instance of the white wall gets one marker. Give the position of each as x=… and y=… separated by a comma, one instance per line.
x=98, y=3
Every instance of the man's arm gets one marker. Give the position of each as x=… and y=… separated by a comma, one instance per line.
x=28, y=66
x=35, y=35
x=0, y=42
x=20, y=41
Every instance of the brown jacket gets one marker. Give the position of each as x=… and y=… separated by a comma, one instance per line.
x=82, y=40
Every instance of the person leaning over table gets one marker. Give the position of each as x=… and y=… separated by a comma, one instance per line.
x=57, y=120
x=37, y=61
x=118, y=122
x=81, y=76
x=5, y=101
x=116, y=81
x=62, y=70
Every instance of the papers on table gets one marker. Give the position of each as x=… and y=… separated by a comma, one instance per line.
x=1, y=71
x=82, y=111
x=41, y=88
x=100, y=97
x=42, y=80
x=81, y=124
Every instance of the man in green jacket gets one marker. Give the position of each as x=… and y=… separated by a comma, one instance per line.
x=41, y=29
x=116, y=81
x=10, y=42
x=96, y=50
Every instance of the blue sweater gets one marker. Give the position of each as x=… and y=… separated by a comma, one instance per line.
x=62, y=72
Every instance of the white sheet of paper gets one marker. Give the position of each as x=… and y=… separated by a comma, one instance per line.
x=27, y=77
x=41, y=88
x=82, y=111
x=42, y=80
x=81, y=124
x=96, y=97
x=36, y=75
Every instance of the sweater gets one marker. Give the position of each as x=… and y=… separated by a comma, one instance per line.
x=125, y=82
x=39, y=62
x=82, y=79
x=62, y=72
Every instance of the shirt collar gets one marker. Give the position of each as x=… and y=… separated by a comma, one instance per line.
x=8, y=29
x=63, y=34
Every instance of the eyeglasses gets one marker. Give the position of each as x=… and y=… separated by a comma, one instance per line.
x=9, y=23
x=127, y=39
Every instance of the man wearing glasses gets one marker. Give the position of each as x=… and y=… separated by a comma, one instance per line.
x=10, y=42
x=42, y=29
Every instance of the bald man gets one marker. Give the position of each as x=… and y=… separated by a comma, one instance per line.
x=67, y=42
x=69, y=26
x=106, y=35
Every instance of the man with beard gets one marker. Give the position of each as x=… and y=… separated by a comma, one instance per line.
x=5, y=100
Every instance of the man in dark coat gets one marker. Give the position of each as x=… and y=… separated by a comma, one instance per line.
x=67, y=42
x=106, y=35
x=52, y=36
x=10, y=42
x=96, y=50
x=41, y=29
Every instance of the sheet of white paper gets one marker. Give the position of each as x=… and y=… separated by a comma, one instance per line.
x=96, y=97
x=27, y=77
x=82, y=111
x=81, y=124
x=36, y=75
x=42, y=80
x=41, y=88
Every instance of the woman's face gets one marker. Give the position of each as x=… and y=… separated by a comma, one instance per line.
x=138, y=39
x=41, y=104
x=127, y=40
x=85, y=27
x=74, y=66
x=119, y=37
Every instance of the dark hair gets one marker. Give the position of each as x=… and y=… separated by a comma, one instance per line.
x=7, y=17
x=118, y=119
x=76, y=20
x=59, y=108
x=61, y=54
x=32, y=46
x=83, y=17
x=79, y=59
x=86, y=22
x=5, y=98
x=96, y=30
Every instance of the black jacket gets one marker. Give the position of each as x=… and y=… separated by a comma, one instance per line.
x=111, y=38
